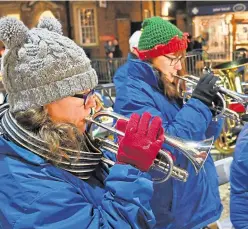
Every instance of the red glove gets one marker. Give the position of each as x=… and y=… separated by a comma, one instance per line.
x=143, y=139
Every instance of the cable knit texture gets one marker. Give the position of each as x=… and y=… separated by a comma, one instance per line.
x=155, y=31
x=40, y=65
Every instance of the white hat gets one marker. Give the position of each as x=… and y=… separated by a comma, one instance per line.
x=134, y=40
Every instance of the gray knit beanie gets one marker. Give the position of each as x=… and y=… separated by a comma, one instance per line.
x=41, y=65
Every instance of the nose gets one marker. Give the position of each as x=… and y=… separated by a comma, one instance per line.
x=178, y=66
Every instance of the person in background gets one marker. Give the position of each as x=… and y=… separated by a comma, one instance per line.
x=198, y=43
x=109, y=49
x=150, y=85
x=190, y=62
x=120, y=75
x=190, y=44
x=239, y=182
x=134, y=42
x=240, y=53
x=117, y=51
x=51, y=174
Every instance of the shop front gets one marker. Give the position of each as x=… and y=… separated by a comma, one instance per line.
x=222, y=30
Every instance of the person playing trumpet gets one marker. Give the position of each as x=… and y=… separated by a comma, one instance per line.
x=151, y=86
x=50, y=172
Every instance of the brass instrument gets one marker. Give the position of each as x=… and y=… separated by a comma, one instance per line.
x=231, y=79
x=230, y=89
x=196, y=152
x=221, y=110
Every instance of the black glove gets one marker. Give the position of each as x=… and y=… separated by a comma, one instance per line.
x=205, y=89
x=244, y=118
x=218, y=105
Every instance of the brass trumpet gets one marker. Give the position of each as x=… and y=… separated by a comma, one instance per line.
x=196, y=152
x=223, y=111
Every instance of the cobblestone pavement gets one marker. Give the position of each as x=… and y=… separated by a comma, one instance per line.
x=225, y=198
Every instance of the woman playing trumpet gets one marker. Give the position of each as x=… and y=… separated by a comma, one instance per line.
x=151, y=86
x=50, y=175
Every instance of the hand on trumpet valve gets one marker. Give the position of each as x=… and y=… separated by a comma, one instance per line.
x=217, y=105
x=206, y=89
x=143, y=139
x=207, y=70
x=244, y=118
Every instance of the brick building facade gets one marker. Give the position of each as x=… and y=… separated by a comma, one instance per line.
x=89, y=23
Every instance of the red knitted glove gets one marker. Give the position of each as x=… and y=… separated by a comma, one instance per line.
x=143, y=139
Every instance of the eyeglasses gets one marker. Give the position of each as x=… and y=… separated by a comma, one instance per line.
x=85, y=96
x=174, y=61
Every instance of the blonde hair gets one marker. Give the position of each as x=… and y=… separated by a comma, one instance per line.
x=56, y=135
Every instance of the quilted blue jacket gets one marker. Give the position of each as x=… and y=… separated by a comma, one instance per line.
x=239, y=182
x=34, y=194
x=176, y=205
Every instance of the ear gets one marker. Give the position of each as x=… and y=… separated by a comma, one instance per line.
x=12, y=32
x=52, y=24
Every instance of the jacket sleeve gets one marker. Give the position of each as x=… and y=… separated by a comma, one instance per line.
x=239, y=182
x=125, y=204
x=215, y=128
x=191, y=122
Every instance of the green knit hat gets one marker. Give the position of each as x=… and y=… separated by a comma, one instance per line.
x=160, y=37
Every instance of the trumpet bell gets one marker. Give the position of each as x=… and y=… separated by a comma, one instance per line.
x=196, y=152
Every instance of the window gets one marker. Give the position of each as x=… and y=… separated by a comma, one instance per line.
x=147, y=13
x=103, y=3
x=17, y=16
x=47, y=13
x=214, y=33
x=88, y=26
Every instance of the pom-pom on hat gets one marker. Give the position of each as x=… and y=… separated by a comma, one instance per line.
x=41, y=65
x=160, y=37
x=52, y=24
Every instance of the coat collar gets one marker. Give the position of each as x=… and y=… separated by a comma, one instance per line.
x=144, y=71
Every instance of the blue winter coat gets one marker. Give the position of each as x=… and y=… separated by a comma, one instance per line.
x=35, y=194
x=239, y=182
x=176, y=205
x=120, y=79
